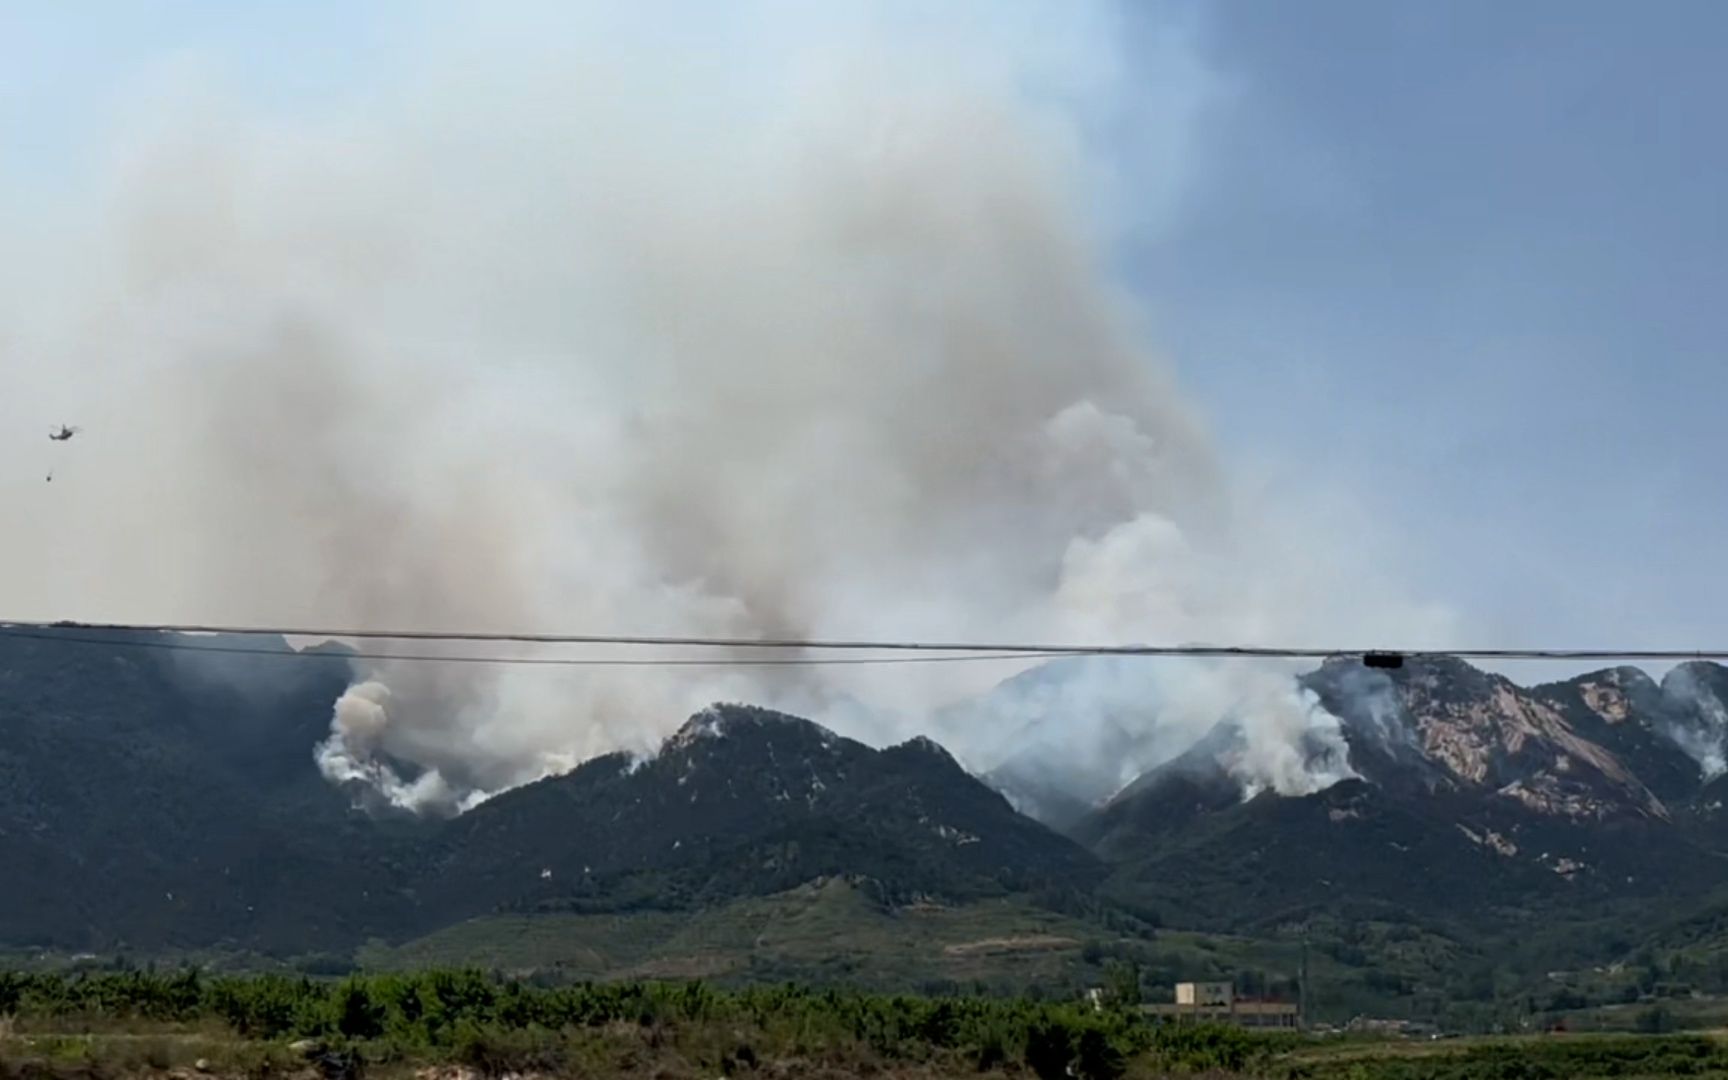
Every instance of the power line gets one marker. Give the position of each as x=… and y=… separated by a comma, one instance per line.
x=588, y=639
x=1018, y=651
x=9, y=631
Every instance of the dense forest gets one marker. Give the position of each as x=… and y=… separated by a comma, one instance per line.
x=143, y=1023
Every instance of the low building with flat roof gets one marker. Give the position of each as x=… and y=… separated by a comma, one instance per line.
x=1217, y=1003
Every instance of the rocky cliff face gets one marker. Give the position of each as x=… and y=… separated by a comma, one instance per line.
x=1597, y=786
x=1485, y=734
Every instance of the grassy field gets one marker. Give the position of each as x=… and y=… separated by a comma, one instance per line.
x=1533, y=1057
x=698, y=1050
x=821, y=933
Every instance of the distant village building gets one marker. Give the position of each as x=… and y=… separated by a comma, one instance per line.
x=1409, y=1029
x=1217, y=1003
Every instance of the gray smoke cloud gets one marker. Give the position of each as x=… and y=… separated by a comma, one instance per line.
x=788, y=322
x=1697, y=719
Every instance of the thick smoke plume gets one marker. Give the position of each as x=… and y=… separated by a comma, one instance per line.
x=1697, y=718
x=801, y=325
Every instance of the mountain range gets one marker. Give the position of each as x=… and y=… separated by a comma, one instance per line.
x=1472, y=795
x=150, y=804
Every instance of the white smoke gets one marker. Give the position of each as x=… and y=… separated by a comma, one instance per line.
x=1698, y=719
x=352, y=755
x=779, y=323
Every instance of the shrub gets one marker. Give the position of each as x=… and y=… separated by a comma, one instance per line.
x=1049, y=1049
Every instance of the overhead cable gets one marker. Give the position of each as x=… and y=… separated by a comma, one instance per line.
x=1017, y=651
x=190, y=644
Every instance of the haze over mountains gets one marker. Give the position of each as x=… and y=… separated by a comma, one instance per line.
x=146, y=803
x=525, y=335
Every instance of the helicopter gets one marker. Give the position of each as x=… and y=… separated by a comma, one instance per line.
x=63, y=433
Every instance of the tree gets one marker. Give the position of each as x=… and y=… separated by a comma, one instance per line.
x=1098, y=1059
x=1655, y=1020
x=1049, y=1049
x=357, y=1015
x=1122, y=984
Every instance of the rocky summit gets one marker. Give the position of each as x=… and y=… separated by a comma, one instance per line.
x=145, y=805
x=1470, y=793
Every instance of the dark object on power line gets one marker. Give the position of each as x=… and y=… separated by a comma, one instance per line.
x=1389, y=661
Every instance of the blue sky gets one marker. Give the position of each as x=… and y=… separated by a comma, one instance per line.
x=64, y=70
x=1460, y=260
x=1467, y=258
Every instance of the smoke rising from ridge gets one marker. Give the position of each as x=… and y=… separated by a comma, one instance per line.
x=569, y=327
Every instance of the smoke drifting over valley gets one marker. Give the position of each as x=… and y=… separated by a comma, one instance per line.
x=808, y=327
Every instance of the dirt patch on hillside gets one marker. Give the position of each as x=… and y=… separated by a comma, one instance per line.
x=1024, y=943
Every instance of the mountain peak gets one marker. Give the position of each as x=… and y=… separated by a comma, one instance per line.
x=1449, y=676
x=927, y=747
x=729, y=720
x=749, y=801
x=1616, y=694
x=1490, y=733
x=1709, y=669
x=710, y=723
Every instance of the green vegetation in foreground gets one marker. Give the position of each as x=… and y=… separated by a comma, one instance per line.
x=1542, y=1057
x=833, y=933
x=140, y=1023
x=669, y=1029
